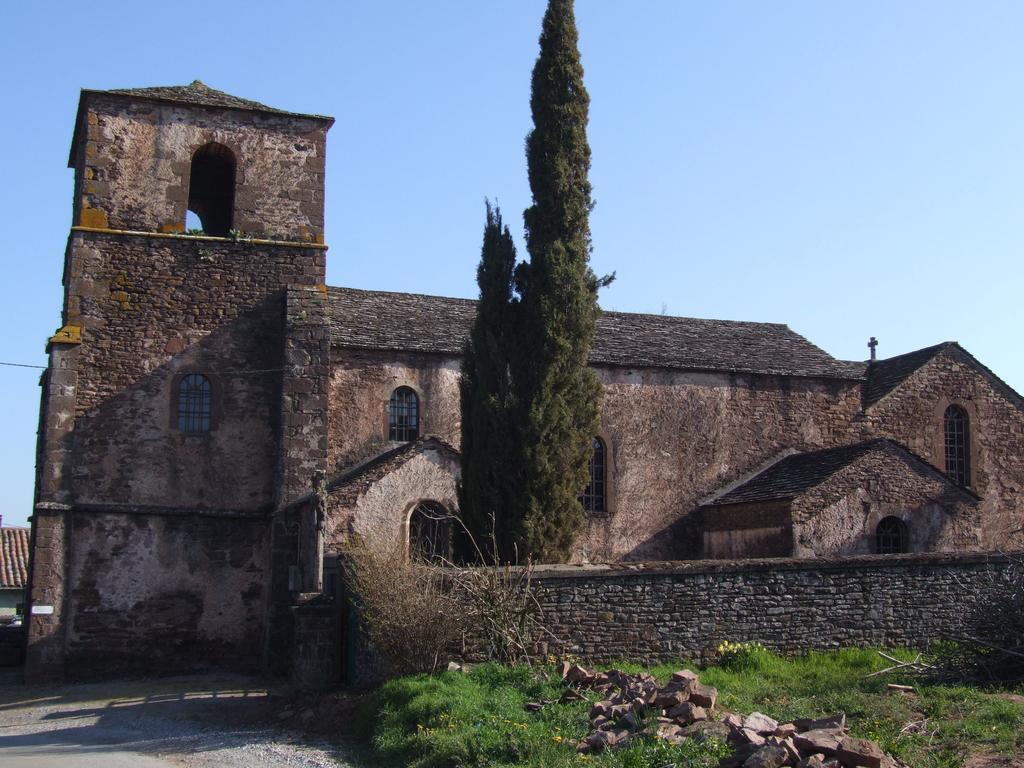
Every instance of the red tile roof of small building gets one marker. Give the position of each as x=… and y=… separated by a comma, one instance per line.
x=13, y=557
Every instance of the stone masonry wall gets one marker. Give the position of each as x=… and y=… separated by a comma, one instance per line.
x=381, y=514
x=674, y=437
x=152, y=309
x=135, y=158
x=913, y=415
x=360, y=387
x=839, y=516
x=665, y=611
x=153, y=593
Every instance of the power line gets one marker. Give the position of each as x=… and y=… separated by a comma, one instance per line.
x=23, y=365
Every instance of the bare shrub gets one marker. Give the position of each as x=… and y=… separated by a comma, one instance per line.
x=992, y=652
x=411, y=619
x=418, y=614
x=504, y=617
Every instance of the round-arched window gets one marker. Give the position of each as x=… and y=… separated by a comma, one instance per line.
x=891, y=537
x=956, y=431
x=430, y=533
x=403, y=415
x=594, y=496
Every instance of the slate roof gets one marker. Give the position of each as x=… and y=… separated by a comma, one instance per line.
x=352, y=484
x=418, y=323
x=197, y=93
x=883, y=376
x=800, y=472
x=13, y=557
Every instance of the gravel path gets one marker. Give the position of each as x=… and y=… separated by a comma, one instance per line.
x=188, y=722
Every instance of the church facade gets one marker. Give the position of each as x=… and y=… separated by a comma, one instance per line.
x=216, y=422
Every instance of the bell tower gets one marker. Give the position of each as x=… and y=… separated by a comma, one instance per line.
x=178, y=409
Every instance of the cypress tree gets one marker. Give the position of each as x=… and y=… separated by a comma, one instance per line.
x=557, y=394
x=486, y=396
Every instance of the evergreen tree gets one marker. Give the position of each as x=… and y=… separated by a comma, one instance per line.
x=557, y=394
x=488, y=447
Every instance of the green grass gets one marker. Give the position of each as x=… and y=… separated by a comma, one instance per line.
x=456, y=720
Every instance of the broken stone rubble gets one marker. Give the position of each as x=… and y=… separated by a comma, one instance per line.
x=635, y=706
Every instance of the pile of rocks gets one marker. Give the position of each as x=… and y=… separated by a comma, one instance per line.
x=633, y=705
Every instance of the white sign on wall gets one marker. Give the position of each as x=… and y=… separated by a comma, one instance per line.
x=42, y=610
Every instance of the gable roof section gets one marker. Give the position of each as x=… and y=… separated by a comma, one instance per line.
x=409, y=322
x=352, y=484
x=884, y=376
x=798, y=473
x=199, y=94
x=14, y=544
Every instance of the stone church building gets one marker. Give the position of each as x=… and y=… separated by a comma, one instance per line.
x=216, y=422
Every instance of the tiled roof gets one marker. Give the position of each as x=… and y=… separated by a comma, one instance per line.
x=199, y=94
x=798, y=473
x=883, y=376
x=350, y=485
x=419, y=323
x=13, y=557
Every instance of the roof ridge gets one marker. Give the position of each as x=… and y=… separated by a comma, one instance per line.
x=809, y=469
x=359, y=469
x=198, y=93
x=615, y=312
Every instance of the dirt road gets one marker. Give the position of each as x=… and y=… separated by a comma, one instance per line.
x=187, y=722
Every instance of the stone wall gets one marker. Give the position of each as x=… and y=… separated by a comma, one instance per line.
x=663, y=611
x=152, y=309
x=134, y=157
x=675, y=437
x=361, y=385
x=913, y=415
x=379, y=513
x=164, y=592
x=839, y=517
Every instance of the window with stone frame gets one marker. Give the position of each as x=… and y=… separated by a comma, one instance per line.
x=956, y=431
x=595, y=497
x=403, y=415
x=195, y=401
x=430, y=533
x=891, y=536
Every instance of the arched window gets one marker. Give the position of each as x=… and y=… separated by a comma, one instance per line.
x=430, y=533
x=194, y=403
x=957, y=438
x=593, y=498
x=891, y=537
x=211, y=188
x=403, y=415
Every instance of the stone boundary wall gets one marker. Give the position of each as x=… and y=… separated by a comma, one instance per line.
x=663, y=611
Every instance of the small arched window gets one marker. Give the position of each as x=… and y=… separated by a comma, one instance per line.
x=594, y=496
x=211, y=188
x=430, y=533
x=403, y=415
x=891, y=537
x=956, y=428
x=194, y=403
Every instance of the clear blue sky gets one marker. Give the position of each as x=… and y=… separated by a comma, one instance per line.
x=849, y=168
